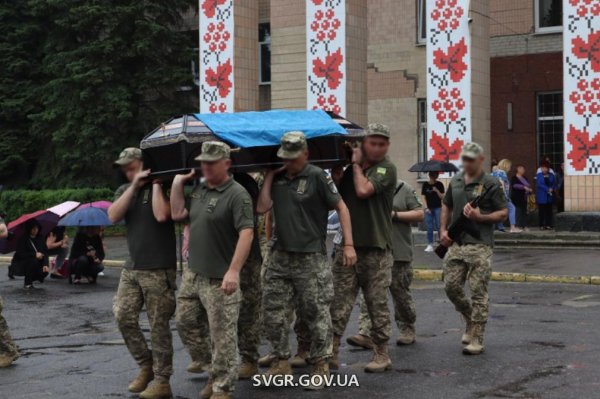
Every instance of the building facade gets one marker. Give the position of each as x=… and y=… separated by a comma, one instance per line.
x=516, y=57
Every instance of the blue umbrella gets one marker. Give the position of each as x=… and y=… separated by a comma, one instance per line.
x=89, y=216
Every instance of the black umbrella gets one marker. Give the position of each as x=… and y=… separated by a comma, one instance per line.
x=433, y=166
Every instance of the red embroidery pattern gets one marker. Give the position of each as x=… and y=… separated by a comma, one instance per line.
x=443, y=150
x=582, y=86
x=449, y=79
x=216, y=56
x=326, y=55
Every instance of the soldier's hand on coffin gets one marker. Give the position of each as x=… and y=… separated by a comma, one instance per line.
x=140, y=178
x=231, y=282
x=349, y=256
x=445, y=238
x=185, y=178
x=357, y=155
x=472, y=213
x=275, y=172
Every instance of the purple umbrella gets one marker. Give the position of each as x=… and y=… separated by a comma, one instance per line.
x=97, y=204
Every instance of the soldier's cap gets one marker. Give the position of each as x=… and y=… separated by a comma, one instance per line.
x=293, y=144
x=471, y=151
x=377, y=129
x=213, y=151
x=128, y=155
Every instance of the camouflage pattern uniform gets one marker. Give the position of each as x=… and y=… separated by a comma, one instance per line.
x=156, y=290
x=7, y=346
x=148, y=279
x=404, y=305
x=373, y=271
x=217, y=217
x=202, y=303
x=469, y=259
x=249, y=326
x=472, y=263
x=249, y=321
x=305, y=276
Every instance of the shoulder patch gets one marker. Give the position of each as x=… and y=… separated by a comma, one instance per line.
x=332, y=187
x=417, y=198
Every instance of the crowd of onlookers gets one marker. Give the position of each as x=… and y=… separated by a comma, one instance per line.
x=524, y=197
x=32, y=256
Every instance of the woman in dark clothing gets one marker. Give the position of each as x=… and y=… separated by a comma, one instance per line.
x=87, y=254
x=545, y=195
x=57, y=243
x=30, y=258
x=520, y=188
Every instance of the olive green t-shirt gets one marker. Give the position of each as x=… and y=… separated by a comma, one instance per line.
x=405, y=199
x=459, y=194
x=217, y=215
x=371, y=217
x=151, y=244
x=300, y=209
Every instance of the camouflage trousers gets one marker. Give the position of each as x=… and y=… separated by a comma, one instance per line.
x=303, y=280
x=404, y=306
x=7, y=346
x=249, y=325
x=372, y=274
x=154, y=289
x=203, y=310
x=300, y=326
x=472, y=263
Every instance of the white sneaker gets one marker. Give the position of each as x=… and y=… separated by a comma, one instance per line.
x=429, y=248
x=101, y=274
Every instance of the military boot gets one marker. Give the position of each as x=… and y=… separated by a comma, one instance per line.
x=361, y=341
x=267, y=360
x=321, y=369
x=466, y=337
x=475, y=347
x=6, y=361
x=142, y=380
x=221, y=395
x=334, y=361
x=381, y=360
x=158, y=389
x=303, y=354
x=198, y=367
x=247, y=369
x=280, y=367
x=207, y=391
x=407, y=335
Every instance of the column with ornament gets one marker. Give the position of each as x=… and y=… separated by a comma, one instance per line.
x=581, y=69
x=228, y=59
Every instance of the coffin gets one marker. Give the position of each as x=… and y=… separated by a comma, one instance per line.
x=171, y=148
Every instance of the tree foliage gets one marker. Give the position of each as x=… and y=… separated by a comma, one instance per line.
x=84, y=79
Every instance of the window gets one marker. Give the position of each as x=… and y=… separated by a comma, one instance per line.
x=548, y=15
x=264, y=56
x=422, y=130
x=421, y=22
x=550, y=127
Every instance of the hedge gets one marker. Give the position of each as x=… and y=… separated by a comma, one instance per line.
x=14, y=203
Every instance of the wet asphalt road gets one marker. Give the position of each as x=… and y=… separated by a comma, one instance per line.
x=542, y=342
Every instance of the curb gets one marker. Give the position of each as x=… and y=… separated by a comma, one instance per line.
x=436, y=275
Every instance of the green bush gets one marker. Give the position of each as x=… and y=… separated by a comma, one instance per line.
x=18, y=202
